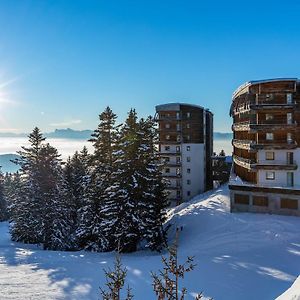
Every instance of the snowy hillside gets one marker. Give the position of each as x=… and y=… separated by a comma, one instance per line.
x=238, y=256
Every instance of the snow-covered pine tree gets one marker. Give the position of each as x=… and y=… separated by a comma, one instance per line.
x=3, y=203
x=56, y=221
x=99, y=212
x=153, y=203
x=75, y=174
x=128, y=190
x=27, y=219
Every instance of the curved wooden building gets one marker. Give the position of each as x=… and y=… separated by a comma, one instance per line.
x=266, y=147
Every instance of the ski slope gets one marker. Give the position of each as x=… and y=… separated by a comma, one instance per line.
x=238, y=256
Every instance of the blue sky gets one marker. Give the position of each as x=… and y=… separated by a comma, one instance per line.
x=62, y=62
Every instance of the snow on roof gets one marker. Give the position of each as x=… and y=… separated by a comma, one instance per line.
x=251, y=82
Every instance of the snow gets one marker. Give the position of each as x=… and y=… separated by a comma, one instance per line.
x=238, y=256
x=293, y=293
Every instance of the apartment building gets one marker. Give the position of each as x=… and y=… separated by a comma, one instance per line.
x=266, y=154
x=186, y=147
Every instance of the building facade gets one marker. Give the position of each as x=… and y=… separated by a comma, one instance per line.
x=186, y=147
x=266, y=147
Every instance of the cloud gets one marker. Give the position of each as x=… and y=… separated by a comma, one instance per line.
x=66, y=123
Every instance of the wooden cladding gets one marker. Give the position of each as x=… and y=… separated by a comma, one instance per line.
x=260, y=201
x=288, y=203
x=241, y=199
x=183, y=126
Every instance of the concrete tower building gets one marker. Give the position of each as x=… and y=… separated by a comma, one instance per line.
x=186, y=146
x=266, y=156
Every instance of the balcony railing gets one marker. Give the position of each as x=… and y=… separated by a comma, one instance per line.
x=264, y=144
x=252, y=165
x=254, y=127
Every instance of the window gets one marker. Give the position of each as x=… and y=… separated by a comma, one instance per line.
x=178, y=116
x=260, y=201
x=188, y=182
x=289, y=203
x=188, y=148
x=167, y=137
x=188, y=115
x=178, y=171
x=178, y=160
x=188, y=125
x=269, y=136
x=177, y=148
x=289, y=98
x=188, y=159
x=167, y=170
x=188, y=138
x=167, y=125
x=269, y=97
x=178, y=194
x=178, y=138
x=270, y=175
x=166, y=159
x=289, y=118
x=270, y=155
x=241, y=199
x=178, y=127
x=188, y=193
x=188, y=170
x=269, y=117
x=167, y=148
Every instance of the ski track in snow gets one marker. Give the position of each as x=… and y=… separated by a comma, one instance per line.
x=238, y=256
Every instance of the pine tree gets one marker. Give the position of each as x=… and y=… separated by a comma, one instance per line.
x=40, y=211
x=166, y=284
x=75, y=175
x=28, y=221
x=99, y=212
x=115, y=280
x=57, y=222
x=153, y=204
x=3, y=202
x=127, y=190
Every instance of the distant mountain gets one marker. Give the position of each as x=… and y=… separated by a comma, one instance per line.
x=70, y=134
x=6, y=165
x=67, y=133
x=222, y=135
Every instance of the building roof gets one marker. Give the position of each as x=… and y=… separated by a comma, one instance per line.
x=176, y=106
x=252, y=82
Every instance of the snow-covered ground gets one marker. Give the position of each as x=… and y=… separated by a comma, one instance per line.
x=238, y=256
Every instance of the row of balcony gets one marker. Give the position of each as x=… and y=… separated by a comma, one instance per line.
x=253, y=165
x=255, y=127
x=265, y=144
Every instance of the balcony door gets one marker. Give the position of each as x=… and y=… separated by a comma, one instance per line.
x=290, y=179
x=290, y=158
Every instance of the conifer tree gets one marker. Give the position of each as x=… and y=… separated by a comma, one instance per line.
x=153, y=204
x=27, y=222
x=166, y=284
x=127, y=188
x=3, y=203
x=99, y=212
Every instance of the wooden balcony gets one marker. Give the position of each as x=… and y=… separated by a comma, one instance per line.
x=263, y=144
x=267, y=106
x=266, y=127
x=276, y=165
x=248, y=164
x=252, y=165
